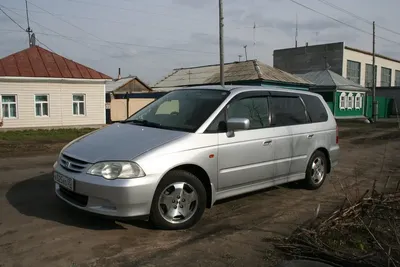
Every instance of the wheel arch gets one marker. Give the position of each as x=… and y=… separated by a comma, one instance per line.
x=202, y=175
x=327, y=156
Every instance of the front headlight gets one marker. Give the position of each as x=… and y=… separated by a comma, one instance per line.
x=113, y=170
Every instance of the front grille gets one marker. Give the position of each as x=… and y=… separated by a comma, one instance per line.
x=73, y=197
x=72, y=164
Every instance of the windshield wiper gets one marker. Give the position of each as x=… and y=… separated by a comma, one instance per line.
x=144, y=123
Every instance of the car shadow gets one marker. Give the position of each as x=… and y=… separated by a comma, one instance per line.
x=36, y=197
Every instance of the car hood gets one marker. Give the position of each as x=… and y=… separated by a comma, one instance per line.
x=119, y=142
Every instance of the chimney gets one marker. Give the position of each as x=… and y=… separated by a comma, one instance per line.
x=119, y=73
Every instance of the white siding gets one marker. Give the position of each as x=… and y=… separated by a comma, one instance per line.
x=60, y=103
x=367, y=59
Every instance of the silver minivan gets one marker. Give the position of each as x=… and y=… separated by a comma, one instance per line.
x=195, y=146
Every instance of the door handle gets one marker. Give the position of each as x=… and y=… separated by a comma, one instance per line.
x=267, y=142
x=310, y=136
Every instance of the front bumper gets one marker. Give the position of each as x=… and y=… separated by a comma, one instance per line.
x=116, y=198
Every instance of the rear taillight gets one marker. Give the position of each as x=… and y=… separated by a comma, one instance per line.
x=337, y=135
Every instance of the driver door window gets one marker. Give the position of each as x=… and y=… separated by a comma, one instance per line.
x=253, y=108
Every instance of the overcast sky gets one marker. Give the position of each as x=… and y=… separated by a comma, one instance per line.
x=149, y=38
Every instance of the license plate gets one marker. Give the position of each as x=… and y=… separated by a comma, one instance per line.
x=64, y=181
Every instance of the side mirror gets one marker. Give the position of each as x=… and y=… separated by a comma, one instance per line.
x=235, y=124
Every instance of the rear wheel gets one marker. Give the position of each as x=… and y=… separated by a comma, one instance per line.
x=179, y=201
x=316, y=171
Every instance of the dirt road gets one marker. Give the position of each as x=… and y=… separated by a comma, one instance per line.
x=36, y=229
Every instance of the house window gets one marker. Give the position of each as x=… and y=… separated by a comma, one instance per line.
x=368, y=75
x=358, y=101
x=342, y=103
x=397, y=78
x=353, y=71
x=386, y=77
x=350, y=101
x=9, y=106
x=41, y=105
x=78, y=104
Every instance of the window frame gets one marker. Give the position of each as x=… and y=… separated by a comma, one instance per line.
x=78, y=101
x=344, y=106
x=8, y=103
x=41, y=105
x=366, y=72
x=396, y=77
x=351, y=77
x=384, y=75
x=358, y=99
x=350, y=99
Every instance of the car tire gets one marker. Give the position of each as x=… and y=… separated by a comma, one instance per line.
x=179, y=201
x=317, y=170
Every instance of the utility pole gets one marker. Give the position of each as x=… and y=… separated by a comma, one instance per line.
x=297, y=32
x=254, y=40
x=221, y=44
x=245, y=51
x=374, y=103
x=28, y=30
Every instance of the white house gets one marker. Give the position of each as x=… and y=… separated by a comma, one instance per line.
x=39, y=88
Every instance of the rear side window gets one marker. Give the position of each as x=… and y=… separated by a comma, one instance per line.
x=315, y=108
x=287, y=111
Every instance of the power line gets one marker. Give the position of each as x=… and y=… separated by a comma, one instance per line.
x=12, y=19
x=44, y=45
x=356, y=16
x=125, y=23
x=69, y=23
x=24, y=29
x=136, y=10
x=170, y=16
x=119, y=43
x=344, y=23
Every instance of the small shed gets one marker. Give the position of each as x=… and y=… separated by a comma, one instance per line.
x=118, y=93
x=345, y=98
x=129, y=84
x=251, y=72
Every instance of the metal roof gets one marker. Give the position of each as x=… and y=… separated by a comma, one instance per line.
x=115, y=84
x=328, y=78
x=39, y=62
x=251, y=70
x=121, y=82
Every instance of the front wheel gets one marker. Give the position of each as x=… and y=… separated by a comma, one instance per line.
x=179, y=201
x=316, y=171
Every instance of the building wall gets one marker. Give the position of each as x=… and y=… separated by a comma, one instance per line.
x=367, y=59
x=60, y=103
x=310, y=58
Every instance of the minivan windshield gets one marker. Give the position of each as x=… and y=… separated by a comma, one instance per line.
x=181, y=110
